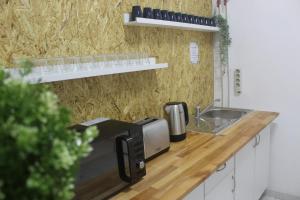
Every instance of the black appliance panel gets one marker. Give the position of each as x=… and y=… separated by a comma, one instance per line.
x=115, y=161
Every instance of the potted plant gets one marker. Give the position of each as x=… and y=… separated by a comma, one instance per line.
x=39, y=156
x=224, y=36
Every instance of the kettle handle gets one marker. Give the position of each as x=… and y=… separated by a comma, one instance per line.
x=186, y=113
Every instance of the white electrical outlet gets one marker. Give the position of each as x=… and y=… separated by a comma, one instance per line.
x=237, y=82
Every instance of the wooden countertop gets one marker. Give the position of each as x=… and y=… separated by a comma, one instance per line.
x=188, y=163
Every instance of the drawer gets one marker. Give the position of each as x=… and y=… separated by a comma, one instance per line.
x=219, y=175
x=196, y=194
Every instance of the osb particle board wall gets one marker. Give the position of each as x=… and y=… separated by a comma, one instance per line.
x=35, y=28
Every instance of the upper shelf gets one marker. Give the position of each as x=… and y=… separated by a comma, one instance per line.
x=167, y=24
x=60, y=72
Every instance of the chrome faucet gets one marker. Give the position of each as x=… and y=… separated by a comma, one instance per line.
x=199, y=112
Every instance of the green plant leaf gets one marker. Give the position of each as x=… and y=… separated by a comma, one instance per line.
x=39, y=155
x=225, y=39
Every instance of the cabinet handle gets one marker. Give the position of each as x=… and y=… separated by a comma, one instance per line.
x=234, y=184
x=258, y=141
x=222, y=168
x=255, y=144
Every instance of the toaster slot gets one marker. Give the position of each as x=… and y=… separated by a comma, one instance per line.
x=146, y=121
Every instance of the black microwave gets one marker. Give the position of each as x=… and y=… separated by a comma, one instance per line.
x=116, y=161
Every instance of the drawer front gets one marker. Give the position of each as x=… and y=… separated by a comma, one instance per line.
x=196, y=194
x=219, y=175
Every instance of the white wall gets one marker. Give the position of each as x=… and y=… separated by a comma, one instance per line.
x=266, y=47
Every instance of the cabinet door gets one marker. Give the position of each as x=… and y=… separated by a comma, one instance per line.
x=224, y=190
x=244, y=172
x=214, y=179
x=262, y=158
x=196, y=194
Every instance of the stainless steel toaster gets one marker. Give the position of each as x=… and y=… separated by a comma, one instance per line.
x=156, y=136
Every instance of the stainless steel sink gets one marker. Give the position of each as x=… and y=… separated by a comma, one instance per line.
x=216, y=119
x=224, y=113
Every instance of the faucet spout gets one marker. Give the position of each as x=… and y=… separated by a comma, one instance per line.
x=199, y=112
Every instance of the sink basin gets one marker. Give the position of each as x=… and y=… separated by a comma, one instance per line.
x=224, y=113
x=216, y=119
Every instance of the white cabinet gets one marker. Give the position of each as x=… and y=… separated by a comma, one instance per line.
x=244, y=172
x=252, y=167
x=220, y=185
x=196, y=194
x=219, y=175
x=224, y=190
x=262, y=160
x=244, y=177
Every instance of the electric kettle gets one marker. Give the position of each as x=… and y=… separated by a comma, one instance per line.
x=178, y=117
